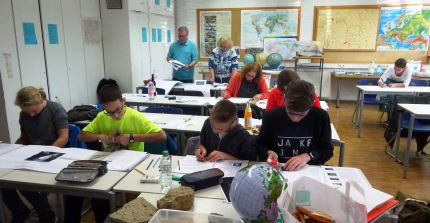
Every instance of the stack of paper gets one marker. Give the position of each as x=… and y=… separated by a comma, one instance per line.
x=176, y=64
x=125, y=160
x=47, y=159
x=190, y=164
x=337, y=177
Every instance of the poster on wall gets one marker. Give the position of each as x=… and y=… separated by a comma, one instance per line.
x=284, y=46
x=404, y=28
x=213, y=25
x=258, y=24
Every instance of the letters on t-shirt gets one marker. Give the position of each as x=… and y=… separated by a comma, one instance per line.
x=293, y=146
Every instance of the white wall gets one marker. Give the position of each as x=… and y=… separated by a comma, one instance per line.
x=10, y=81
x=186, y=15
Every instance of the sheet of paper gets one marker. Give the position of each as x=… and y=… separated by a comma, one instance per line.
x=167, y=85
x=262, y=104
x=5, y=148
x=190, y=164
x=125, y=160
x=337, y=176
x=311, y=171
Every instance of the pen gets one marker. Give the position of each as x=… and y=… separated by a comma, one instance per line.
x=149, y=164
x=179, y=166
x=156, y=161
x=140, y=171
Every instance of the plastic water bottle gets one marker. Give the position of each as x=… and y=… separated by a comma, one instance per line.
x=166, y=171
x=372, y=67
x=151, y=91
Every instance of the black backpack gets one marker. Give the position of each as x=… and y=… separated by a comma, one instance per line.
x=82, y=113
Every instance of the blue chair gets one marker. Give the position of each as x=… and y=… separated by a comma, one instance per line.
x=73, y=137
x=165, y=110
x=158, y=147
x=370, y=98
x=418, y=83
x=144, y=90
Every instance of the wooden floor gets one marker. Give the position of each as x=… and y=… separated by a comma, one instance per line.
x=367, y=153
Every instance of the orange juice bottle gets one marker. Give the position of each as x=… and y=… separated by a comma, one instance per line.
x=248, y=116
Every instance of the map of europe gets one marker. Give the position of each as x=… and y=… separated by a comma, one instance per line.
x=404, y=28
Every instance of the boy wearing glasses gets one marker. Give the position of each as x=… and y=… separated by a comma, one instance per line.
x=223, y=138
x=119, y=126
x=298, y=133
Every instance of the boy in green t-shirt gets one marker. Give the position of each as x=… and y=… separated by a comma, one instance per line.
x=119, y=126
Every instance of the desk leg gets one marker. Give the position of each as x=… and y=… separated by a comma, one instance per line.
x=359, y=112
x=341, y=152
x=2, y=208
x=338, y=93
x=112, y=202
x=399, y=129
x=408, y=146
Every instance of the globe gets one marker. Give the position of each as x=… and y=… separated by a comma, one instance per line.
x=274, y=60
x=254, y=193
x=261, y=58
x=248, y=58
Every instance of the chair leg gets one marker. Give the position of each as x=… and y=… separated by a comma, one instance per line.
x=380, y=118
x=390, y=153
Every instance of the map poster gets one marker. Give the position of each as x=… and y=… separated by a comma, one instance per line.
x=404, y=28
x=258, y=24
x=213, y=25
x=346, y=29
x=284, y=46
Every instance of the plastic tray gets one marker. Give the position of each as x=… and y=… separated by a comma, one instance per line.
x=174, y=216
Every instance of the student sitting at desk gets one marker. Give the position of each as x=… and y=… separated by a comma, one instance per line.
x=249, y=83
x=223, y=138
x=223, y=61
x=297, y=133
x=118, y=126
x=276, y=96
x=399, y=75
x=42, y=122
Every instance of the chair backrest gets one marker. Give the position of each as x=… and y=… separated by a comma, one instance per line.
x=368, y=82
x=73, y=137
x=190, y=93
x=191, y=145
x=165, y=110
x=421, y=83
x=144, y=90
x=158, y=147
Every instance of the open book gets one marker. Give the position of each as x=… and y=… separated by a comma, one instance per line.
x=337, y=177
x=190, y=164
x=176, y=64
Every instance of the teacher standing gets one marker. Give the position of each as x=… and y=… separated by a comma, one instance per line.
x=184, y=51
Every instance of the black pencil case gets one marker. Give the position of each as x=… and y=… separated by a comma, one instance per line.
x=77, y=175
x=100, y=165
x=202, y=179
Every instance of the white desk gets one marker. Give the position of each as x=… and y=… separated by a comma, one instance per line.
x=214, y=89
x=417, y=111
x=131, y=182
x=188, y=101
x=366, y=89
x=201, y=205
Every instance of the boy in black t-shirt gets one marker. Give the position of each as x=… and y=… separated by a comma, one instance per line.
x=297, y=133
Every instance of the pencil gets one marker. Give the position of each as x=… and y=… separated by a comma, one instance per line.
x=156, y=161
x=140, y=171
x=179, y=165
x=149, y=164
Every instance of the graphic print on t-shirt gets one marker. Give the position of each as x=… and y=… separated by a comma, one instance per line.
x=292, y=146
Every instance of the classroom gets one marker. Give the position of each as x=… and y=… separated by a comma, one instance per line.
x=323, y=94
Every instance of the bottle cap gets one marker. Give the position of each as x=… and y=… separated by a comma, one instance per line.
x=165, y=153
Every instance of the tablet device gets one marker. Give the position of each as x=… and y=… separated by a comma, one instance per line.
x=200, y=82
x=225, y=186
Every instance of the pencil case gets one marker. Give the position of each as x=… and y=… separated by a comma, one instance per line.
x=202, y=179
x=77, y=175
x=100, y=165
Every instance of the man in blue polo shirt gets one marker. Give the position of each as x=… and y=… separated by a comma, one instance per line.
x=185, y=52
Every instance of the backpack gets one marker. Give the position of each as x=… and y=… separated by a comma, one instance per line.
x=414, y=211
x=82, y=113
